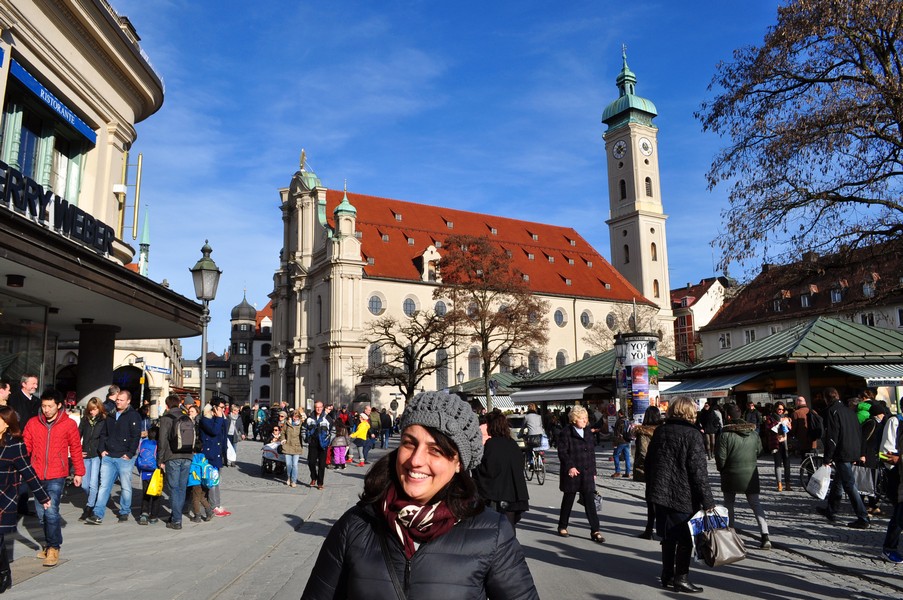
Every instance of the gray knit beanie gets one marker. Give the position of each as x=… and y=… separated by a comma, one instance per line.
x=450, y=415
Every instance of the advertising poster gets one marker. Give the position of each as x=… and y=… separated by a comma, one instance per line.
x=637, y=372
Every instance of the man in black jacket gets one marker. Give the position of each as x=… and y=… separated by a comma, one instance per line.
x=118, y=447
x=23, y=400
x=843, y=442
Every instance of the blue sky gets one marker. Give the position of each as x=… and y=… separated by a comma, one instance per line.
x=491, y=107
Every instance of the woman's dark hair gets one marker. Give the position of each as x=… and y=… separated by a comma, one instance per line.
x=497, y=425
x=652, y=416
x=11, y=419
x=460, y=495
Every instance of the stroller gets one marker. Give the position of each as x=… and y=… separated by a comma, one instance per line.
x=272, y=460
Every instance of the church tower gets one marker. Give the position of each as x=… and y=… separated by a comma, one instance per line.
x=636, y=220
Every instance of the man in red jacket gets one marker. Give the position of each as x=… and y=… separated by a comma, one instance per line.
x=52, y=439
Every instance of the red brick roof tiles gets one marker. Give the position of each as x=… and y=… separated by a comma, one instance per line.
x=387, y=225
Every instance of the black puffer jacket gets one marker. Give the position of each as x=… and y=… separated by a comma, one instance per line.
x=478, y=558
x=90, y=435
x=843, y=434
x=676, y=473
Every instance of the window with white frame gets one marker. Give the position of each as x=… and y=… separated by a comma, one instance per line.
x=836, y=296
x=749, y=336
x=806, y=300
x=867, y=319
x=724, y=341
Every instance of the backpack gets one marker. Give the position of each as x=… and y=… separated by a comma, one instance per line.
x=182, y=434
x=628, y=432
x=209, y=476
x=147, y=456
x=815, y=424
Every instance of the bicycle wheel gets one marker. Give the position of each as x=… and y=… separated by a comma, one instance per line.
x=540, y=469
x=528, y=471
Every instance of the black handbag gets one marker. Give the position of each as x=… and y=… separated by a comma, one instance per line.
x=721, y=546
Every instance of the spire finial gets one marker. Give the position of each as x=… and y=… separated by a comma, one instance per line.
x=346, y=186
x=303, y=158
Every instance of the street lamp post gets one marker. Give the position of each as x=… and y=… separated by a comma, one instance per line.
x=205, y=276
x=460, y=377
x=250, y=385
x=281, y=362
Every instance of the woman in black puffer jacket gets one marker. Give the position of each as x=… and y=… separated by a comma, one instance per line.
x=421, y=517
x=677, y=482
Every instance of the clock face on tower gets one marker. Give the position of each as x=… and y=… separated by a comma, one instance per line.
x=645, y=146
x=619, y=149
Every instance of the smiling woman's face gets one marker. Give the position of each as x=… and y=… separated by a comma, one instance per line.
x=421, y=466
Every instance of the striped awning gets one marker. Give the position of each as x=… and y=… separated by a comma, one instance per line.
x=499, y=402
x=875, y=374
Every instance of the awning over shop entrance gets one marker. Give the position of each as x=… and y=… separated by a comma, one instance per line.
x=550, y=394
x=499, y=402
x=875, y=375
x=716, y=386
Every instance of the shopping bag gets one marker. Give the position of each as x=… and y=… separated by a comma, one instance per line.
x=155, y=487
x=597, y=500
x=721, y=546
x=543, y=444
x=820, y=482
x=230, y=452
x=865, y=480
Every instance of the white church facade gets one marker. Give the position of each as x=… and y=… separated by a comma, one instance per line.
x=349, y=258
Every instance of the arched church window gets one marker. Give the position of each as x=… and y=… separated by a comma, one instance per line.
x=561, y=359
x=623, y=185
x=265, y=350
x=654, y=252
x=655, y=288
x=626, y=254
x=649, y=186
x=473, y=364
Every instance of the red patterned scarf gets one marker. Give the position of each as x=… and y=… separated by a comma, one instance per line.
x=416, y=523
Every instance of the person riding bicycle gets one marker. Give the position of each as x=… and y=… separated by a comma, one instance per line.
x=532, y=430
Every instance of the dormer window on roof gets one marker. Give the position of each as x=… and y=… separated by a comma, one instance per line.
x=509, y=254
x=567, y=281
x=410, y=241
x=589, y=263
x=385, y=237
x=571, y=242
x=526, y=277
x=370, y=260
x=529, y=255
x=449, y=224
x=535, y=237
x=397, y=216
x=358, y=234
x=493, y=231
x=551, y=259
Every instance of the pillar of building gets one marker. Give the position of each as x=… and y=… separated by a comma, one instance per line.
x=95, y=360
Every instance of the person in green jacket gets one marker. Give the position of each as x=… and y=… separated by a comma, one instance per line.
x=736, y=452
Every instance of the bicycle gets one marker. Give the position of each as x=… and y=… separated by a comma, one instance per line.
x=535, y=462
x=811, y=462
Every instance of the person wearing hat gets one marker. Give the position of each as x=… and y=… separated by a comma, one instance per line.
x=420, y=521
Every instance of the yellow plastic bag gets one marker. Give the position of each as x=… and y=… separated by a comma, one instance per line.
x=155, y=487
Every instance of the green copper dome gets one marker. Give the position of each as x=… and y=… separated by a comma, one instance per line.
x=345, y=207
x=624, y=108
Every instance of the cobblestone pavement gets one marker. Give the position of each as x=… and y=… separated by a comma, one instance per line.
x=793, y=524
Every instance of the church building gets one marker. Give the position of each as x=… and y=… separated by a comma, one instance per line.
x=348, y=258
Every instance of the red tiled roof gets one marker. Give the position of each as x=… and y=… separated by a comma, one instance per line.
x=266, y=311
x=132, y=267
x=387, y=225
x=816, y=276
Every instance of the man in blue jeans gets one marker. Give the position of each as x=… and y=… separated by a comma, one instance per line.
x=118, y=447
x=52, y=438
x=174, y=457
x=843, y=441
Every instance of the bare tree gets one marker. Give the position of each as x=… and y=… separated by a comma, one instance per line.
x=404, y=351
x=494, y=307
x=814, y=119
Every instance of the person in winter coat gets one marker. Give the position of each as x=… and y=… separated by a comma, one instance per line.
x=317, y=432
x=708, y=424
x=292, y=447
x=621, y=445
x=14, y=467
x=52, y=439
x=872, y=432
x=235, y=430
x=778, y=427
x=500, y=476
x=677, y=482
x=363, y=440
x=843, y=445
x=213, y=444
x=89, y=429
x=146, y=464
x=736, y=453
x=652, y=418
x=196, y=473
x=419, y=530
x=577, y=459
